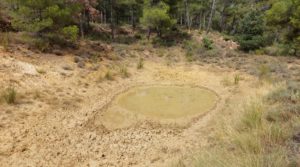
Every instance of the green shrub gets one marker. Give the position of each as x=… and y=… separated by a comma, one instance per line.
x=42, y=45
x=165, y=42
x=138, y=36
x=207, y=43
x=10, y=95
x=280, y=50
x=251, y=31
x=291, y=94
x=248, y=43
x=70, y=33
x=211, y=53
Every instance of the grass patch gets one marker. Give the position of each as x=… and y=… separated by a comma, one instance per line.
x=255, y=140
x=124, y=72
x=237, y=79
x=264, y=72
x=10, y=95
x=140, y=64
x=253, y=115
x=4, y=40
x=109, y=76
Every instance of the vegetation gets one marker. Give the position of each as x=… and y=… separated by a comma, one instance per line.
x=10, y=95
x=109, y=76
x=263, y=137
x=251, y=32
x=140, y=64
x=254, y=24
x=264, y=131
x=124, y=72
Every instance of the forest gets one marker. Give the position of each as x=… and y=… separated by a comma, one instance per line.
x=255, y=24
x=142, y=83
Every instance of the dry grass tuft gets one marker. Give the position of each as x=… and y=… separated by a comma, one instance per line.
x=140, y=64
x=109, y=76
x=10, y=95
x=124, y=72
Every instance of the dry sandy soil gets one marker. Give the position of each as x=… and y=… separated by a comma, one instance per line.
x=53, y=122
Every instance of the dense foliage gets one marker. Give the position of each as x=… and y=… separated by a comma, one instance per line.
x=255, y=23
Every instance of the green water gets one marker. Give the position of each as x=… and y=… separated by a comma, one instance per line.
x=157, y=103
x=167, y=102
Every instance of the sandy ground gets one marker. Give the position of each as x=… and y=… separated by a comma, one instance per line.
x=53, y=122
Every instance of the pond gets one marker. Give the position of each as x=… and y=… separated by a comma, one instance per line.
x=157, y=103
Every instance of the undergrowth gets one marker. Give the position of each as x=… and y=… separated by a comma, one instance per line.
x=263, y=136
x=9, y=95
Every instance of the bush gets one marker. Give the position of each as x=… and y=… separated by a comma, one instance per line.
x=9, y=95
x=248, y=43
x=280, y=50
x=207, y=43
x=70, y=33
x=138, y=36
x=165, y=42
x=291, y=94
x=251, y=31
x=42, y=45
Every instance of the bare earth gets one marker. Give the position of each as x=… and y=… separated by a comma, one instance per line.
x=53, y=122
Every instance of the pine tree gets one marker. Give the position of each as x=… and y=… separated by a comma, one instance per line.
x=46, y=16
x=156, y=16
x=251, y=31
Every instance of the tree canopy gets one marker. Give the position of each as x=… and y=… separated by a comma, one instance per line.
x=247, y=19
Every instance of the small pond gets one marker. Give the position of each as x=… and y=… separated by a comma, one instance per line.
x=157, y=103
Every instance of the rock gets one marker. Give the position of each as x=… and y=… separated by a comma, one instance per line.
x=81, y=64
x=77, y=59
x=26, y=68
x=67, y=67
x=86, y=55
x=57, y=52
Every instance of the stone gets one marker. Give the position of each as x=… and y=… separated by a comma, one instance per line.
x=81, y=64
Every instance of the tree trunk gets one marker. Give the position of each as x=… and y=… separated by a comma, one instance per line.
x=81, y=26
x=200, y=22
x=222, y=20
x=181, y=20
x=223, y=24
x=112, y=19
x=204, y=21
x=232, y=30
x=132, y=18
x=211, y=15
x=187, y=14
x=149, y=33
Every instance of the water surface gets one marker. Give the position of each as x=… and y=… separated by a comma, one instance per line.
x=157, y=103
